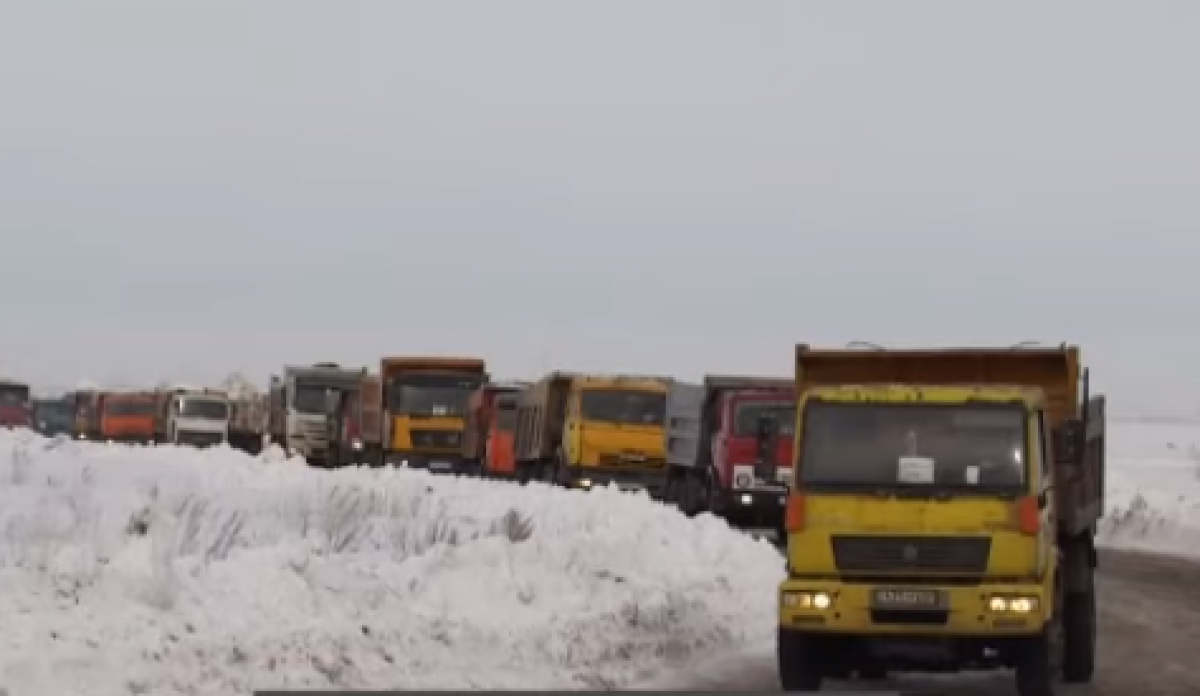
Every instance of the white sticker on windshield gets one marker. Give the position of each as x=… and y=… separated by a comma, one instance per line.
x=915, y=470
x=971, y=474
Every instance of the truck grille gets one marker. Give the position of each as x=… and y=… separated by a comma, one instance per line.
x=433, y=439
x=870, y=554
x=632, y=459
x=197, y=439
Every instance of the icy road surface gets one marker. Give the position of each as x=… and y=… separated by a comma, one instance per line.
x=1149, y=638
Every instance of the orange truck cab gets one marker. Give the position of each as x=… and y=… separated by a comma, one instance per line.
x=488, y=439
x=128, y=418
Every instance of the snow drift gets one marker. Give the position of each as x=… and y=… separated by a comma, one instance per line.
x=164, y=570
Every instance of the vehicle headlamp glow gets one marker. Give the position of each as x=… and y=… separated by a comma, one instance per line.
x=585, y=483
x=357, y=444
x=807, y=600
x=747, y=499
x=1012, y=604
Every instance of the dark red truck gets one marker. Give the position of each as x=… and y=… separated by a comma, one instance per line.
x=16, y=405
x=729, y=448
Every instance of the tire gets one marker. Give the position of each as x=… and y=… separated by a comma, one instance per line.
x=1079, y=653
x=1035, y=667
x=799, y=662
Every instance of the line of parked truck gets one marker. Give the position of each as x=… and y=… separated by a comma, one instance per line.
x=721, y=445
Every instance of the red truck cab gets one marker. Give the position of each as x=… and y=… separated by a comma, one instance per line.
x=16, y=405
x=491, y=420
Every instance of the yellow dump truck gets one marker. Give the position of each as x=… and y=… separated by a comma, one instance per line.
x=424, y=410
x=581, y=431
x=942, y=516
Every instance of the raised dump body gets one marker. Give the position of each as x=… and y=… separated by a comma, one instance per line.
x=588, y=430
x=729, y=447
x=488, y=439
x=948, y=497
x=425, y=408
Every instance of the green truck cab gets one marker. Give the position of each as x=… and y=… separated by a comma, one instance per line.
x=942, y=516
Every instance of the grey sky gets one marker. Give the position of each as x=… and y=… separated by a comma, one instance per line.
x=192, y=188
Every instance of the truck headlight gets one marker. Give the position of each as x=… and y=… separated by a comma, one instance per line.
x=807, y=600
x=357, y=444
x=1012, y=604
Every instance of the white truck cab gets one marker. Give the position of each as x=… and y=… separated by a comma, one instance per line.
x=199, y=419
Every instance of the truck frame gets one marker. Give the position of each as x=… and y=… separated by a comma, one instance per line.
x=711, y=467
x=913, y=578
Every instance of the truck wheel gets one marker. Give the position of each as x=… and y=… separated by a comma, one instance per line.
x=1035, y=666
x=799, y=664
x=1079, y=658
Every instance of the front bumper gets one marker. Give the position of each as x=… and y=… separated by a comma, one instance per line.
x=851, y=609
x=626, y=478
x=436, y=463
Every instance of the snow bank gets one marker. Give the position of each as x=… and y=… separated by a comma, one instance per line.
x=1153, y=487
x=168, y=571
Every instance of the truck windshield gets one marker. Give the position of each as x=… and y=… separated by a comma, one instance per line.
x=54, y=412
x=431, y=394
x=14, y=395
x=877, y=446
x=129, y=408
x=204, y=408
x=747, y=415
x=623, y=406
x=309, y=399
x=506, y=418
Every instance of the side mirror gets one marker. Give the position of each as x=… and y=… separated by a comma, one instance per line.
x=1068, y=442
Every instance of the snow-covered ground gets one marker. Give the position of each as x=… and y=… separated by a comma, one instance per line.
x=173, y=571
x=1153, y=487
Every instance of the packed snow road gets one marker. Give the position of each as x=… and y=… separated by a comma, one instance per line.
x=1149, y=633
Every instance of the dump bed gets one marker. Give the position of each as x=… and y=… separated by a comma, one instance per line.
x=1055, y=370
x=1079, y=479
x=541, y=412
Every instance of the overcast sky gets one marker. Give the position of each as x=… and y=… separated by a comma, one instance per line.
x=188, y=189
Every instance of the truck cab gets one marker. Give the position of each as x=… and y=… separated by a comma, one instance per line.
x=581, y=431
x=729, y=448
x=941, y=517
x=425, y=408
x=300, y=407
x=128, y=418
x=353, y=421
x=16, y=408
x=488, y=437
x=54, y=417
x=197, y=418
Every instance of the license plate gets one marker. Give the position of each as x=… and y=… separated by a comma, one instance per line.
x=907, y=598
x=440, y=466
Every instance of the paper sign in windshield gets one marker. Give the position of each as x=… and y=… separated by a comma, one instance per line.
x=915, y=470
